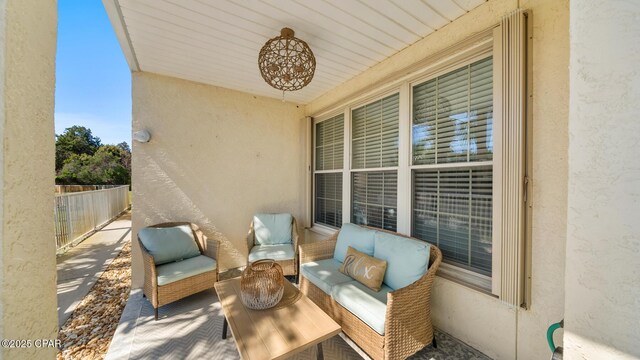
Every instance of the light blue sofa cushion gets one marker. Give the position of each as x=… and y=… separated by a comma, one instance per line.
x=407, y=259
x=169, y=244
x=355, y=236
x=272, y=229
x=324, y=274
x=275, y=252
x=179, y=270
x=368, y=305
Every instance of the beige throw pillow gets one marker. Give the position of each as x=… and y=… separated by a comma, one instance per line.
x=363, y=268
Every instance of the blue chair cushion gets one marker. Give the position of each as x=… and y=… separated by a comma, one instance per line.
x=407, y=259
x=169, y=244
x=324, y=274
x=368, y=305
x=355, y=236
x=275, y=252
x=172, y=272
x=272, y=229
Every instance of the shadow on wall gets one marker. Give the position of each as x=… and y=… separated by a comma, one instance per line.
x=177, y=205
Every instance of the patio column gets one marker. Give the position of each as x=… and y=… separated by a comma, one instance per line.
x=27, y=243
x=602, y=307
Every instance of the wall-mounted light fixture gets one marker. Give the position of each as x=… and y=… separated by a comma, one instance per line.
x=142, y=136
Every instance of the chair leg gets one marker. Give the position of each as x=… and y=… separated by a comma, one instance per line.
x=435, y=344
x=156, y=313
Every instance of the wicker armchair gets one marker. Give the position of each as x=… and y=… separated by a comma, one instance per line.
x=162, y=295
x=408, y=326
x=289, y=267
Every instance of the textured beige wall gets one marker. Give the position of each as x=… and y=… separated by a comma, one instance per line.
x=602, y=311
x=216, y=157
x=478, y=319
x=28, y=267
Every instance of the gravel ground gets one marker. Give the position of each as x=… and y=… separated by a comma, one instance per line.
x=88, y=332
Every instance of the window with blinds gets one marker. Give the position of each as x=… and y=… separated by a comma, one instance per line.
x=453, y=210
x=329, y=159
x=374, y=145
x=328, y=199
x=330, y=143
x=452, y=153
x=453, y=116
x=374, y=135
x=374, y=199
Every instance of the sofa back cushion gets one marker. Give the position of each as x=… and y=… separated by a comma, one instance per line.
x=407, y=259
x=363, y=268
x=169, y=244
x=355, y=236
x=272, y=229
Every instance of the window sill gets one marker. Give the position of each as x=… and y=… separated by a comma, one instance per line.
x=466, y=278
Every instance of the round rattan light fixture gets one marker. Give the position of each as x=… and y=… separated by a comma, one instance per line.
x=286, y=62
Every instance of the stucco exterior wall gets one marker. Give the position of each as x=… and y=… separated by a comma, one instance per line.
x=602, y=311
x=216, y=157
x=27, y=247
x=474, y=317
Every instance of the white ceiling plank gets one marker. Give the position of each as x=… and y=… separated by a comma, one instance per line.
x=469, y=5
x=356, y=24
x=344, y=53
x=147, y=36
x=310, y=30
x=446, y=8
x=422, y=12
x=329, y=25
x=217, y=42
x=377, y=17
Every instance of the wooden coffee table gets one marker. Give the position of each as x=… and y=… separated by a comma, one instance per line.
x=276, y=333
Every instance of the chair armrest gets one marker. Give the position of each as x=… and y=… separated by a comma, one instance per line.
x=250, y=239
x=150, y=274
x=317, y=250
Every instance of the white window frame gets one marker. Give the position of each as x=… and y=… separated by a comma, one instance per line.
x=480, y=48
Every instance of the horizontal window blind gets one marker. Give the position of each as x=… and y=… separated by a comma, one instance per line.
x=375, y=134
x=374, y=199
x=453, y=210
x=330, y=143
x=453, y=116
x=328, y=199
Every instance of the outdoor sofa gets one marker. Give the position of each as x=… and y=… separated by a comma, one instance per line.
x=392, y=323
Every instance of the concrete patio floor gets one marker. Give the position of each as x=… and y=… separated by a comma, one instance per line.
x=192, y=329
x=80, y=267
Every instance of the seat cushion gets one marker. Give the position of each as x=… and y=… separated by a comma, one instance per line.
x=355, y=236
x=272, y=229
x=364, y=269
x=169, y=244
x=407, y=259
x=179, y=270
x=368, y=305
x=275, y=252
x=324, y=274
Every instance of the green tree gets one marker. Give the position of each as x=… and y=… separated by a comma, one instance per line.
x=103, y=168
x=75, y=140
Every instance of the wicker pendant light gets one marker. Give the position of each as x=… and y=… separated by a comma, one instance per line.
x=286, y=62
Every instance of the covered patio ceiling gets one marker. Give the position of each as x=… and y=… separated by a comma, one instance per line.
x=217, y=42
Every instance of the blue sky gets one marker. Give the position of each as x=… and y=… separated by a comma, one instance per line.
x=93, y=80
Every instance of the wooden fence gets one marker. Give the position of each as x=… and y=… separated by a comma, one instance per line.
x=79, y=214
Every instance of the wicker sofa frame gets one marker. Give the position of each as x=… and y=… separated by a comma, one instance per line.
x=162, y=295
x=289, y=267
x=408, y=326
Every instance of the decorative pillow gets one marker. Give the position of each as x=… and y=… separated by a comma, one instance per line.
x=169, y=244
x=272, y=229
x=363, y=268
